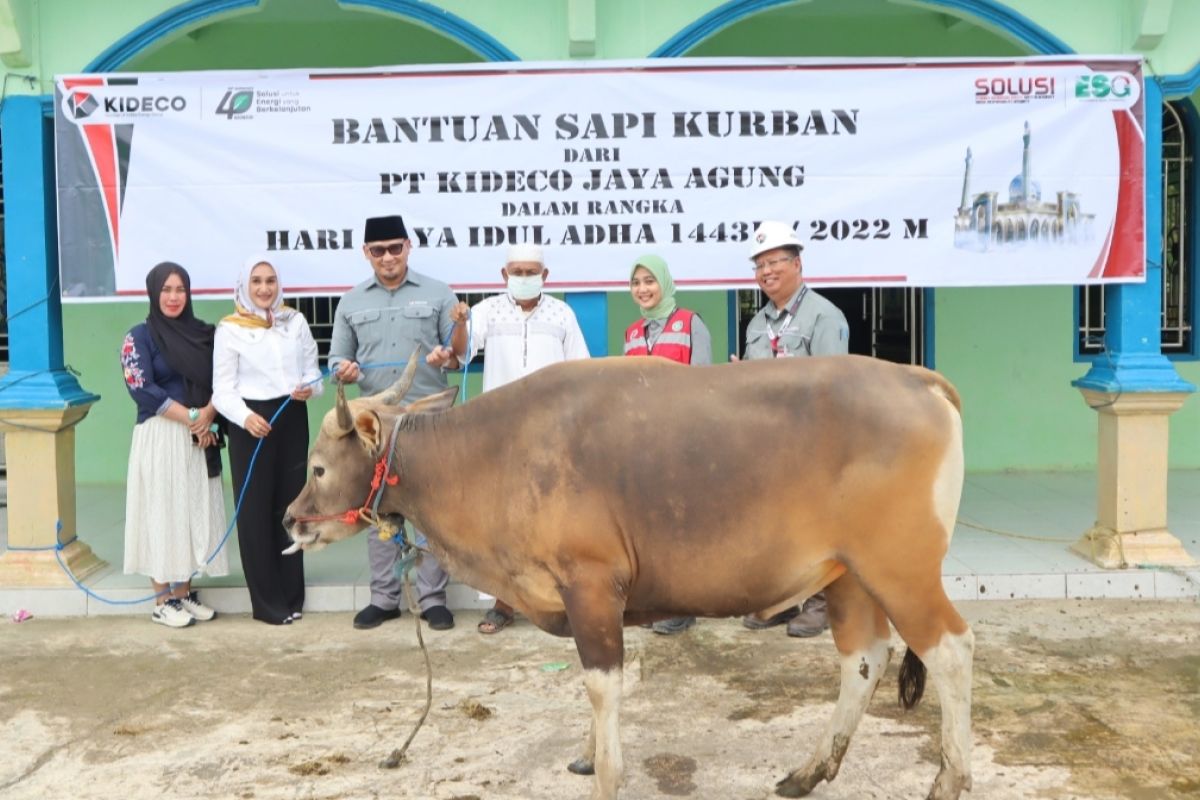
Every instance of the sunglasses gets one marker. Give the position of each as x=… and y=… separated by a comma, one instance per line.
x=377, y=250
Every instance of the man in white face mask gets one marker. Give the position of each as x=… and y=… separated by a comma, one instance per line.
x=520, y=332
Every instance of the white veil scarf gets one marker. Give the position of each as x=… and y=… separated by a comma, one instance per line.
x=248, y=314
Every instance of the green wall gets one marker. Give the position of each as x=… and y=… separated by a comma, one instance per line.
x=1185, y=424
x=267, y=41
x=62, y=36
x=1009, y=350
x=93, y=333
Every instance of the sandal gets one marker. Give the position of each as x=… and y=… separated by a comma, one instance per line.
x=494, y=621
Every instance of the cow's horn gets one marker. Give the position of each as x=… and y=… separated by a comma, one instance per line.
x=345, y=422
x=395, y=393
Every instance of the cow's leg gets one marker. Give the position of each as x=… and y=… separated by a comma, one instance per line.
x=604, y=690
x=924, y=617
x=861, y=633
x=595, y=615
x=949, y=664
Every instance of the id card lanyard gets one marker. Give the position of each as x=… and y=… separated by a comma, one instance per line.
x=774, y=336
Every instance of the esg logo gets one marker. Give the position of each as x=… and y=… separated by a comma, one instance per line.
x=1105, y=86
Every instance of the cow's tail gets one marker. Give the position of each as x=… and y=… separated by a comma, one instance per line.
x=912, y=679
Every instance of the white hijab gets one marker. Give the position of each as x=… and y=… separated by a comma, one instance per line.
x=247, y=310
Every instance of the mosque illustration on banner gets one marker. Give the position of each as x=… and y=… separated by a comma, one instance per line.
x=985, y=223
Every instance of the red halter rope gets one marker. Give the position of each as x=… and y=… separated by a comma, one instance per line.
x=368, y=511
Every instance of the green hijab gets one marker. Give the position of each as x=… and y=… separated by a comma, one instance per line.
x=657, y=268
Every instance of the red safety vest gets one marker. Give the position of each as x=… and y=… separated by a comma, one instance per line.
x=675, y=341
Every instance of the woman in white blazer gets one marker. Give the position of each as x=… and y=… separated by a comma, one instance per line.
x=263, y=355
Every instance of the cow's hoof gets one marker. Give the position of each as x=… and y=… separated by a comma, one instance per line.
x=948, y=785
x=801, y=782
x=581, y=766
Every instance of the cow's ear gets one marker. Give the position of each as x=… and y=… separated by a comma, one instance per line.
x=434, y=403
x=370, y=431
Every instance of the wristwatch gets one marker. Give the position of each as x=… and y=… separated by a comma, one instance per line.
x=193, y=413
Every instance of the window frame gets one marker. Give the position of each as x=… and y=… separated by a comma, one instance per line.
x=1182, y=114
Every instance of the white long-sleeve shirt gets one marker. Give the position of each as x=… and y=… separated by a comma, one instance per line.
x=261, y=364
x=518, y=343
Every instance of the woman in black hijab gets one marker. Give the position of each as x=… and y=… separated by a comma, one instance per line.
x=175, y=504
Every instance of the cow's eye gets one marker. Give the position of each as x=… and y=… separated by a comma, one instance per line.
x=318, y=472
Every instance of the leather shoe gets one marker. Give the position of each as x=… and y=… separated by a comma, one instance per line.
x=757, y=623
x=439, y=618
x=374, y=616
x=812, y=621
x=670, y=627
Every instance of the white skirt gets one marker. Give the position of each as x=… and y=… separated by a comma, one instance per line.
x=174, y=512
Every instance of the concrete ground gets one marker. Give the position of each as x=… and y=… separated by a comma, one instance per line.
x=1073, y=699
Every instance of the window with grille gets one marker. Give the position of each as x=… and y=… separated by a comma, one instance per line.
x=319, y=313
x=1179, y=271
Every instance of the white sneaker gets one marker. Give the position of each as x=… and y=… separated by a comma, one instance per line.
x=172, y=615
x=192, y=605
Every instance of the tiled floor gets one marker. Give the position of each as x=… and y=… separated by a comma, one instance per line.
x=1033, y=518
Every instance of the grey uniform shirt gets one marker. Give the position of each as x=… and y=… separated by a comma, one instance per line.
x=818, y=329
x=374, y=324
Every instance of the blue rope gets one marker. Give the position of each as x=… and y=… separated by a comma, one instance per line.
x=325, y=373
x=57, y=548
x=463, y=386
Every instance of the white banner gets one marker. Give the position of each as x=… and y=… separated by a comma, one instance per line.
x=930, y=173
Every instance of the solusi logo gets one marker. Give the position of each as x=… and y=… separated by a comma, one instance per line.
x=1014, y=89
x=235, y=101
x=80, y=105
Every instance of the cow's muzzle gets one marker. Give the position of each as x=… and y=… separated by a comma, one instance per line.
x=298, y=544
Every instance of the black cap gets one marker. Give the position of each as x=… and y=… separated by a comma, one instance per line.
x=383, y=229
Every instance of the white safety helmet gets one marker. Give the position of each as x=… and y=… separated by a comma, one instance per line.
x=772, y=234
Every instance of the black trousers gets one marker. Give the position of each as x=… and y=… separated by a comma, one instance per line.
x=275, y=581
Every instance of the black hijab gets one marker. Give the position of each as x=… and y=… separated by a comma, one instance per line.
x=187, y=345
x=185, y=342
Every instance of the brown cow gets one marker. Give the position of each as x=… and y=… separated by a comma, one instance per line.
x=612, y=492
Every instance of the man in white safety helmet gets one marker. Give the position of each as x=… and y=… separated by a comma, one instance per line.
x=796, y=323
x=520, y=332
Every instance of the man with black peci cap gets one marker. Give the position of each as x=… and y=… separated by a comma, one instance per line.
x=796, y=322
x=380, y=320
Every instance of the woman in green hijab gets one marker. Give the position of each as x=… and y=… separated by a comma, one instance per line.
x=664, y=330
x=667, y=331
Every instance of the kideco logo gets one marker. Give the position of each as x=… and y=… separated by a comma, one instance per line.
x=235, y=101
x=80, y=105
x=1113, y=86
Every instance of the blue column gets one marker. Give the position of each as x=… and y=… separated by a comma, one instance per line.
x=36, y=377
x=1134, y=361
x=591, y=309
